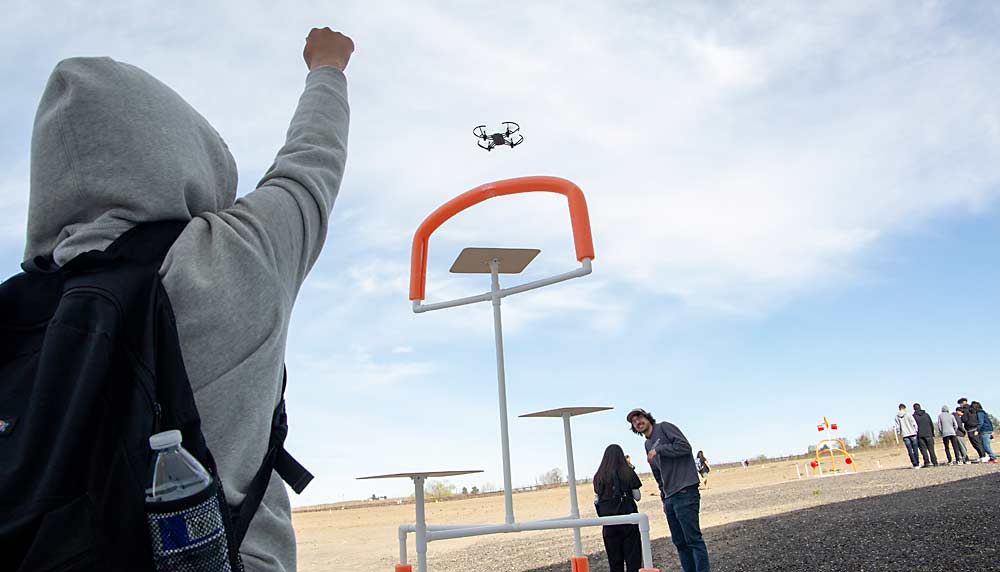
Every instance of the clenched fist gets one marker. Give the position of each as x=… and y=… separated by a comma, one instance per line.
x=324, y=47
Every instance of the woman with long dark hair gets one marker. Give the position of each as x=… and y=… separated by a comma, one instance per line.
x=616, y=489
x=704, y=469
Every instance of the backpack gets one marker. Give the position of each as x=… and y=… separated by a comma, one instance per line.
x=90, y=367
x=620, y=502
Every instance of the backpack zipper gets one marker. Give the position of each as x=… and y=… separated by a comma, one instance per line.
x=143, y=372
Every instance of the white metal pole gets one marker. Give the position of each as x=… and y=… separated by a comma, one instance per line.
x=402, y=543
x=574, y=506
x=421, y=532
x=647, y=551
x=502, y=390
x=480, y=530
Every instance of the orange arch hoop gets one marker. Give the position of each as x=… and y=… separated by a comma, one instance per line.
x=578, y=216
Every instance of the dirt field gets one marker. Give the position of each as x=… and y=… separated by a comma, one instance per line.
x=364, y=540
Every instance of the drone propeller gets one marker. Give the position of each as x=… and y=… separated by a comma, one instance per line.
x=520, y=139
x=488, y=147
x=480, y=132
x=509, y=131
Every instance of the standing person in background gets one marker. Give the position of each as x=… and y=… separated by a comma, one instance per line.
x=960, y=434
x=703, y=468
x=616, y=490
x=906, y=427
x=971, y=423
x=925, y=435
x=985, y=427
x=948, y=427
x=669, y=454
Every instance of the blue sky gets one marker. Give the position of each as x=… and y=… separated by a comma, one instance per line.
x=795, y=213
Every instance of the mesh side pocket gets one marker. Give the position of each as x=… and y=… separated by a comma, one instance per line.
x=189, y=538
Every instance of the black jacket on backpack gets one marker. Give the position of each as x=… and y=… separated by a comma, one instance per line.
x=969, y=420
x=925, y=425
x=90, y=367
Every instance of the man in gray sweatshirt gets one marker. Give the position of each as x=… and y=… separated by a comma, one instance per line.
x=948, y=427
x=113, y=147
x=670, y=457
x=906, y=427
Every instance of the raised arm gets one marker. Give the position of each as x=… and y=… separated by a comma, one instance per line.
x=287, y=216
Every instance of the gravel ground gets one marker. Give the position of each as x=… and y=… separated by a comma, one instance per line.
x=888, y=520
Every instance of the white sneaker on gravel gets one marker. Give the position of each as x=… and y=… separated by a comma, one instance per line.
x=916, y=466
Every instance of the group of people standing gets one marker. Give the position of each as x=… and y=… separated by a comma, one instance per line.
x=616, y=490
x=968, y=420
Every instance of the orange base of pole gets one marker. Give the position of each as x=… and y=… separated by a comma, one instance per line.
x=580, y=564
x=404, y=567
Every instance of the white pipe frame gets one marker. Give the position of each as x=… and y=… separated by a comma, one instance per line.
x=426, y=533
x=585, y=268
x=450, y=531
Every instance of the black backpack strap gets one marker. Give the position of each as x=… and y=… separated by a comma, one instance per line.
x=276, y=459
x=147, y=242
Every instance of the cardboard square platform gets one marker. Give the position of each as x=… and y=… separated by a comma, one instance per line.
x=477, y=260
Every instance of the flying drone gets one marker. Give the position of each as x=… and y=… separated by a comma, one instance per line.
x=502, y=138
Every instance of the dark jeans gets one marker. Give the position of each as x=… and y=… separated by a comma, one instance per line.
x=911, y=449
x=952, y=442
x=977, y=444
x=682, y=510
x=927, y=444
x=624, y=547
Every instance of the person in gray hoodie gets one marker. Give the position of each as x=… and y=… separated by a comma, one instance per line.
x=113, y=147
x=906, y=427
x=948, y=427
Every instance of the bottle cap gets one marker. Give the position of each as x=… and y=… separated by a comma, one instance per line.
x=165, y=440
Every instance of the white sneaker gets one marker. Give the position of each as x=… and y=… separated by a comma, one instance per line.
x=984, y=459
x=916, y=466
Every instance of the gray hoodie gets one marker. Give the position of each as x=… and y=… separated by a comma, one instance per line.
x=947, y=424
x=906, y=425
x=113, y=147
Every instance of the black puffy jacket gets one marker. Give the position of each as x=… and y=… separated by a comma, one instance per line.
x=925, y=425
x=970, y=420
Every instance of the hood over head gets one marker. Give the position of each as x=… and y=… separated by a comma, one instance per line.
x=944, y=409
x=112, y=147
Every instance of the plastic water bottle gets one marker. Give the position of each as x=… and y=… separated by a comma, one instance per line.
x=186, y=526
x=176, y=474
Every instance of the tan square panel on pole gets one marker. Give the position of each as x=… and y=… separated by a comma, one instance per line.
x=477, y=260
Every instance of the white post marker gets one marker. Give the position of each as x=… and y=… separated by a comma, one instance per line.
x=574, y=506
x=420, y=529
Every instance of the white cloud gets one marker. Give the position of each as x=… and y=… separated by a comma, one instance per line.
x=14, y=206
x=357, y=369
